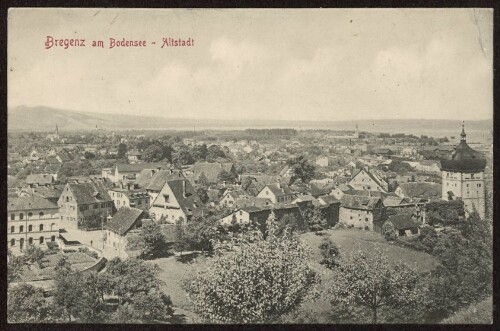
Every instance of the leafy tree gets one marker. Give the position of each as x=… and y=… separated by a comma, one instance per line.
x=367, y=288
x=200, y=152
x=15, y=265
x=154, y=153
x=330, y=253
x=182, y=156
x=465, y=273
x=315, y=219
x=214, y=152
x=301, y=169
x=154, y=242
x=25, y=304
x=252, y=279
x=89, y=155
x=33, y=253
x=68, y=292
x=225, y=176
x=289, y=223
x=202, y=193
x=122, y=151
x=203, y=180
x=389, y=231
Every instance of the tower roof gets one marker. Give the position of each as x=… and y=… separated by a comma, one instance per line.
x=464, y=158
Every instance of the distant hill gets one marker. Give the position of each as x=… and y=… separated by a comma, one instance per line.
x=41, y=118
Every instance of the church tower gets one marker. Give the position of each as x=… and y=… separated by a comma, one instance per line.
x=463, y=176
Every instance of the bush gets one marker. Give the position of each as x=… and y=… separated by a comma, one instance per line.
x=90, y=253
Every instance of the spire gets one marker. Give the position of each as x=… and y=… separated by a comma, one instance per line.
x=463, y=135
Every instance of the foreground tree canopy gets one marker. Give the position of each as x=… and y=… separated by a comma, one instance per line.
x=252, y=279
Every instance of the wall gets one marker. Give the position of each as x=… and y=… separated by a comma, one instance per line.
x=357, y=218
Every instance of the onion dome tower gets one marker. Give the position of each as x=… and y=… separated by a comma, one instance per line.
x=463, y=176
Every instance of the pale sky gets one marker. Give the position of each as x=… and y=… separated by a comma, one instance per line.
x=295, y=64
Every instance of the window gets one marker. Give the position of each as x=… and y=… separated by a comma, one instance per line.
x=41, y=214
x=21, y=216
x=30, y=241
x=21, y=243
x=67, y=199
x=41, y=240
x=166, y=197
x=366, y=219
x=13, y=242
x=471, y=175
x=30, y=228
x=103, y=205
x=21, y=228
x=478, y=185
x=12, y=229
x=96, y=206
x=53, y=238
x=30, y=214
x=241, y=212
x=41, y=227
x=12, y=217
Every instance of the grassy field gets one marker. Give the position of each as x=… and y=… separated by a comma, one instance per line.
x=173, y=271
x=479, y=313
x=348, y=240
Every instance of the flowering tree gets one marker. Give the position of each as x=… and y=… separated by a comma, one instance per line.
x=253, y=279
x=364, y=285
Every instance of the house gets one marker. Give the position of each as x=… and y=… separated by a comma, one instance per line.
x=361, y=212
x=330, y=209
x=134, y=155
x=176, y=200
x=127, y=195
x=130, y=171
x=230, y=196
x=251, y=201
x=31, y=220
x=125, y=220
x=52, y=169
x=49, y=192
x=84, y=201
x=287, y=171
x=363, y=179
x=425, y=190
x=405, y=224
x=153, y=180
x=63, y=156
x=210, y=172
x=322, y=161
x=39, y=180
x=258, y=215
x=277, y=193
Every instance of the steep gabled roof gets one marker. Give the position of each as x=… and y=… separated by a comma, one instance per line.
x=252, y=201
x=138, y=167
x=41, y=179
x=89, y=192
x=124, y=219
x=328, y=199
x=424, y=190
x=403, y=221
x=190, y=202
x=155, y=181
x=281, y=191
x=359, y=202
x=211, y=170
x=29, y=203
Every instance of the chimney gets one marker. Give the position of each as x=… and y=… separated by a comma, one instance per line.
x=279, y=183
x=184, y=188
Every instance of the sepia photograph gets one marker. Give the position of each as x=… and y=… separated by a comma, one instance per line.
x=250, y=166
